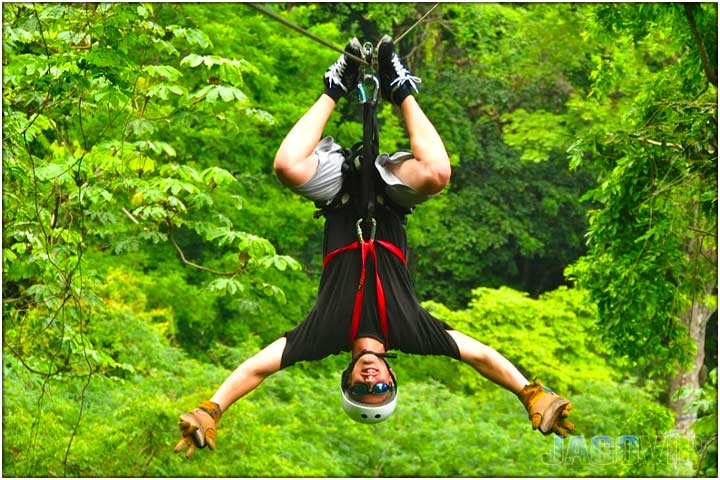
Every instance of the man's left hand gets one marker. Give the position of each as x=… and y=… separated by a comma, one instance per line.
x=199, y=428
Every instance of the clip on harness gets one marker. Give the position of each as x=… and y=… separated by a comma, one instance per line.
x=370, y=151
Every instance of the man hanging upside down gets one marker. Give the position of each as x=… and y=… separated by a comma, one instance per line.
x=366, y=303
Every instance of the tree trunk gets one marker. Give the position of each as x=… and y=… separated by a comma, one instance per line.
x=710, y=71
x=696, y=318
x=686, y=384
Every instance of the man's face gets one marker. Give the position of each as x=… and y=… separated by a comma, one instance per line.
x=370, y=370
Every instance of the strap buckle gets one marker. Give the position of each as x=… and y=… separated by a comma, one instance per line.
x=358, y=229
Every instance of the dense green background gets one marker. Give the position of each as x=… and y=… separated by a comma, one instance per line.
x=148, y=247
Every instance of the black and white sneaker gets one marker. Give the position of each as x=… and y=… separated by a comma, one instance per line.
x=342, y=76
x=396, y=81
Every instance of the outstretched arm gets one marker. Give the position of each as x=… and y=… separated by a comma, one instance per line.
x=295, y=162
x=547, y=411
x=199, y=427
x=250, y=374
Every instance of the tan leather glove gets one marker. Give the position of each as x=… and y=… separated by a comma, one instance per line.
x=547, y=411
x=199, y=427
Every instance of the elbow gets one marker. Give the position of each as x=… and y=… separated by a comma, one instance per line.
x=258, y=369
x=262, y=373
x=480, y=358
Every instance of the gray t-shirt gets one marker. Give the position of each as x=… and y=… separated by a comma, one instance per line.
x=327, y=181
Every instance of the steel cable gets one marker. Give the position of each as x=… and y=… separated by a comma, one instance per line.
x=397, y=40
x=301, y=30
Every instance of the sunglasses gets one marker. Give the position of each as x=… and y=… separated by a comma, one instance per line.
x=379, y=388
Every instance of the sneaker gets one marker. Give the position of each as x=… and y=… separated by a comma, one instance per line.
x=396, y=81
x=342, y=76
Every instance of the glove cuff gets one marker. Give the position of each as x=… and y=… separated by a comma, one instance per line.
x=530, y=394
x=211, y=408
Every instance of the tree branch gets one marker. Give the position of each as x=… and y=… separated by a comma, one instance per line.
x=125, y=211
x=710, y=71
x=704, y=232
x=659, y=144
x=200, y=267
x=28, y=367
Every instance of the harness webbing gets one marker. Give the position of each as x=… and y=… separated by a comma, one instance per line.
x=370, y=152
x=365, y=248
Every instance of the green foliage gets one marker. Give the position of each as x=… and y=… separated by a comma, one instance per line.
x=506, y=247
x=651, y=235
x=499, y=80
x=106, y=167
x=288, y=429
x=117, y=161
x=706, y=427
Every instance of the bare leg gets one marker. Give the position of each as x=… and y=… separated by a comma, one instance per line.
x=429, y=171
x=295, y=162
x=489, y=363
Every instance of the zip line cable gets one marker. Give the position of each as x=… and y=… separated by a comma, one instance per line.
x=287, y=23
x=301, y=30
x=397, y=40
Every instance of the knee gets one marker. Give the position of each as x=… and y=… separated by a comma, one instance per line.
x=282, y=165
x=440, y=174
x=434, y=177
x=290, y=169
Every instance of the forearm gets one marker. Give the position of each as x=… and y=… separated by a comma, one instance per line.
x=489, y=363
x=250, y=374
x=429, y=170
x=294, y=162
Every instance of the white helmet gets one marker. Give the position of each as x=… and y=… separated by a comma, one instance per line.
x=365, y=412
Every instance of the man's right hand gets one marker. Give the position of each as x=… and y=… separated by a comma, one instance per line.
x=199, y=428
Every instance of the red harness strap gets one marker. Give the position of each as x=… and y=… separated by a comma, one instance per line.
x=366, y=247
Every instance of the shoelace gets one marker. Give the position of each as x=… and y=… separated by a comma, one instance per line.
x=403, y=74
x=335, y=73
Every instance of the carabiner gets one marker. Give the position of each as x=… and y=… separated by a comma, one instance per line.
x=358, y=229
x=368, y=52
x=362, y=93
x=362, y=96
x=368, y=76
